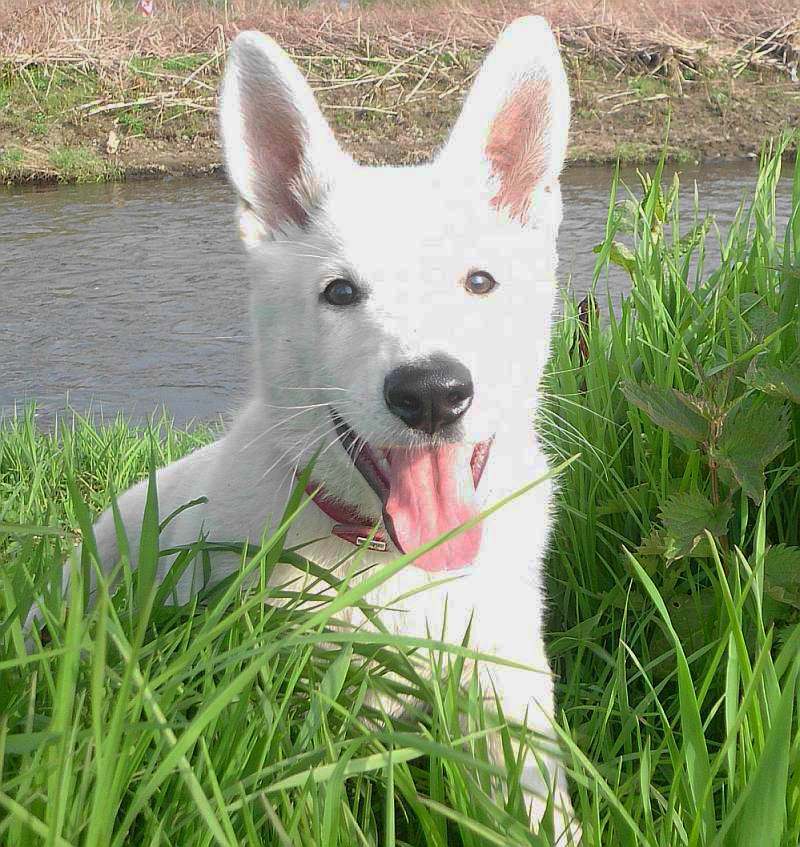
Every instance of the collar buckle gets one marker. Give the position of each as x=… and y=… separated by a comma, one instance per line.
x=358, y=534
x=372, y=544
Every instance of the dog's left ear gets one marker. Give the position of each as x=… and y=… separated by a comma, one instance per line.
x=280, y=151
x=512, y=132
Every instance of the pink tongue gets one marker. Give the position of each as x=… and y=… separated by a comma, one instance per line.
x=432, y=491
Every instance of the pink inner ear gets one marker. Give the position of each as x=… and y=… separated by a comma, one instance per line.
x=517, y=146
x=276, y=139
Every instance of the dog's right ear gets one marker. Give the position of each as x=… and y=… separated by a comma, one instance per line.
x=510, y=140
x=279, y=149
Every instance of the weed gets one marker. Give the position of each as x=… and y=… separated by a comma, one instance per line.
x=133, y=121
x=11, y=164
x=675, y=565
x=650, y=86
x=11, y=156
x=78, y=164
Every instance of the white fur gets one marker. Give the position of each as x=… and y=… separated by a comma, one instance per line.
x=408, y=236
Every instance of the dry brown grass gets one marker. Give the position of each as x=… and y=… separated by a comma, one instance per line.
x=650, y=32
x=69, y=82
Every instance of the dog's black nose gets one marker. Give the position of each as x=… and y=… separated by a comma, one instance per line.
x=430, y=393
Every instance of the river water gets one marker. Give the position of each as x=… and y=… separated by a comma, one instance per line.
x=132, y=296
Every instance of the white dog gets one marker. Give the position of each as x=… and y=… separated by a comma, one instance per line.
x=402, y=321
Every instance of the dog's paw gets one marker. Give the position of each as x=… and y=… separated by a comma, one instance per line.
x=552, y=800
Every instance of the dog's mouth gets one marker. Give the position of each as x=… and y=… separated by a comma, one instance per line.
x=424, y=492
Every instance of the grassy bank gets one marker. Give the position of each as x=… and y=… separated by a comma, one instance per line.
x=103, y=93
x=675, y=607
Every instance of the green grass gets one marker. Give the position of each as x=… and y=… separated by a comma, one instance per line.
x=63, y=163
x=10, y=162
x=685, y=425
x=636, y=152
x=674, y=580
x=79, y=164
x=133, y=121
x=41, y=96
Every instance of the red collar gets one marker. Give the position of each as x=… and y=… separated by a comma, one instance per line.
x=349, y=524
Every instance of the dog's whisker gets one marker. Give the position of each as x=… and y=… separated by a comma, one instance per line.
x=295, y=462
x=351, y=398
x=353, y=395
x=564, y=371
x=304, y=406
x=568, y=401
x=580, y=438
x=286, y=420
x=274, y=426
x=288, y=247
x=309, y=388
x=310, y=256
x=305, y=443
x=293, y=241
x=279, y=461
x=292, y=444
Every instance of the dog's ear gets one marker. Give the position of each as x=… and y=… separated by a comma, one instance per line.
x=512, y=132
x=279, y=150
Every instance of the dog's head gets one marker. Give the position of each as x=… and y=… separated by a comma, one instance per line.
x=401, y=315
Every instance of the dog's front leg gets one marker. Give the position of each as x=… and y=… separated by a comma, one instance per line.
x=508, y=623
x=528, y=704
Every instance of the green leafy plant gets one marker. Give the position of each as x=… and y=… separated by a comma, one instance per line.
x=675, y=563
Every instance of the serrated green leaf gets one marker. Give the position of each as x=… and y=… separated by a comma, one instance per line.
x=694, y=618
x=695, y=236
x=685, y=518
x=653, y=544
x=626, y=216
x=762, y=320
x=621, y=503
x=782, y=574
x=659, y=543
x=777, y=382
x=708, y=409
x=691, y=614
x=620, y=255
x=752, y=436
x=665, y=407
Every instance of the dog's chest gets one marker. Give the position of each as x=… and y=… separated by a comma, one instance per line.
x=492, y=602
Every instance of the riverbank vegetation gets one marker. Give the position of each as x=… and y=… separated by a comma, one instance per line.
x=674, y=583
x=98, y=82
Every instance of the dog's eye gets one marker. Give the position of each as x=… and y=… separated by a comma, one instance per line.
x=479, y=282
x=340, y=292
